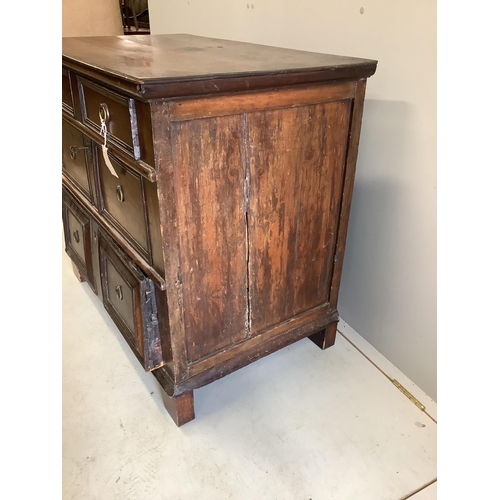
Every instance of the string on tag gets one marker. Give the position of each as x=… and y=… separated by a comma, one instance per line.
x=107, y=161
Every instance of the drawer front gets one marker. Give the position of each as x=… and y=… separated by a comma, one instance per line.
x=123, y=202
x=67, y=94
x=77, y=237
x=118, y=112
x=129, y=297
x=76, y=155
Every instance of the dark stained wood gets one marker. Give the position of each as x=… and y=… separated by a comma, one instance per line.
x=74, y=158
x=77, y=238
x=128, y=215
x=151, y=196
x=325, y=338
x=130, y=299
x=117, y=236
x=116, y=277
x=164, y=329
x=144, y=132
x=78, y=274
x=180, y=56
x=211, y=213
x=236, y=168
x=153, y=347
x=67, y=94
x=198, y=65
x=138, y=165
x=122, y=122
x=295, y=192
x=180, y=408
x=94, y=235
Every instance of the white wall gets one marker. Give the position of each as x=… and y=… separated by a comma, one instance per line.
x=388, y=291
x=97, y=18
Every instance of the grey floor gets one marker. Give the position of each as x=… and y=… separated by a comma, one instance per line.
x=299, y=424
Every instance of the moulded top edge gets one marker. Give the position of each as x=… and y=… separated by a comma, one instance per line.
x=163, y=59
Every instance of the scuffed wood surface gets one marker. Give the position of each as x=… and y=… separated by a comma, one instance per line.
x=296, y=171
x=236, y=163
x=210, y=183
x=174, y=57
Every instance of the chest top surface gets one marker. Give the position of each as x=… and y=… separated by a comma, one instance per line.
x=146, y=62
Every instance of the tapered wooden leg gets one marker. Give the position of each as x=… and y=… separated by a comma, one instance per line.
x=325, y=338
x=77, y=272
x=180, y=408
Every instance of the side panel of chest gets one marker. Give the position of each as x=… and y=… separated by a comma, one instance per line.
x=297, y=160
x=209, y=182
x=258, y=185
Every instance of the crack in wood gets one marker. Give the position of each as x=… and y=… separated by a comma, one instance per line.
x=246, y=198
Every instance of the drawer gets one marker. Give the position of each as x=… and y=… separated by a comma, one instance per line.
x=76, y=156
x=77, y=237
x=122, y=201
x=119, y=113
x=68, y=104
x=130, y=299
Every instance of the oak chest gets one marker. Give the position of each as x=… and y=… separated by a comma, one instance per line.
x=206, y=194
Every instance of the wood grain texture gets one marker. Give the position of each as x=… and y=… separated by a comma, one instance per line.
x=250, y=102
x=297, y=160
x=156, y=66
x=228, y=360
x=129, y=215
x=209, y=181
x=236, y=167
x=348, y=186
x=117, y=235
x=166, y=190
x=301, y=325
x=164, y=329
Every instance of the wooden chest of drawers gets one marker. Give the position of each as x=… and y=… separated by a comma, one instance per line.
x=206, y=195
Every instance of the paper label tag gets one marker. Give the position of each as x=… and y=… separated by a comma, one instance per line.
x=107, y=161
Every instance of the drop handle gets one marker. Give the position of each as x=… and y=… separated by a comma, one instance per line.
x=119, y=194
x=103, y=113
x=73, y=150
x=119, y=292
x=76, y=236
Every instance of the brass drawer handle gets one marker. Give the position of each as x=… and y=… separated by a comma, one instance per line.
x=76, y=236
x=73, y=150
x=103, y=112
x=119, y=292
x=119, y=194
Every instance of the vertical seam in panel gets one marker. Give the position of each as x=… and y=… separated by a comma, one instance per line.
x=246, y=198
